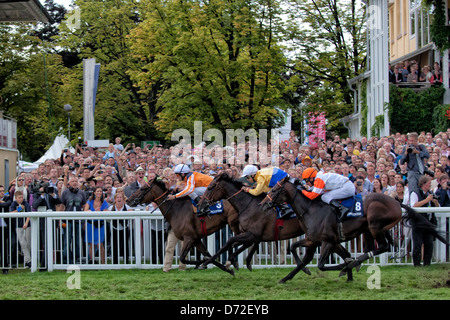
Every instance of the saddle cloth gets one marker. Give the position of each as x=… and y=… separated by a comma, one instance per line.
x=355, y=204
x=215, y=209
x=280, y=213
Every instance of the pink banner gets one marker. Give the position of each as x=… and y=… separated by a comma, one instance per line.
x=316, y=129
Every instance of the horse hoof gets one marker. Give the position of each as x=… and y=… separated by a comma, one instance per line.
x=358, y=267
x=201, y=267
x=306, y=270
x=236, y=265
x=282, y=281
x=249, y=267
x=343, y=273
x=231, y=272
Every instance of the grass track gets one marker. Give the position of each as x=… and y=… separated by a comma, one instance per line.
x=397, y=283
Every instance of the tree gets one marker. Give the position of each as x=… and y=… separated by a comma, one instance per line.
x=217, y=61
x=329, y=49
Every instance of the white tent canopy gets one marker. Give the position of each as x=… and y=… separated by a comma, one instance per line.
x=54, y=152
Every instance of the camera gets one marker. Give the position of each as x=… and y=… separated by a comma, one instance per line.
x=428, y=172
x=410, y=148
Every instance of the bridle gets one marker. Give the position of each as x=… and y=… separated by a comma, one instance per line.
x=279, y=190
x=144, y=192
x=210, y=202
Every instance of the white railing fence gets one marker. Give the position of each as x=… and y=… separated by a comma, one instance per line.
x=137, y=239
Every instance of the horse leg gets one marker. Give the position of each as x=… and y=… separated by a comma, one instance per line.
x=326, y=250
x=246, y=240
x=293, y=250
x=310, y=250
x=249, y=258
x=383, y=246
x=232, y=257
x=230, y=243
x=199, y=244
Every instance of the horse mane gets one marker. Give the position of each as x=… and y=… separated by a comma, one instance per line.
x=160, y=183
x=225, y=177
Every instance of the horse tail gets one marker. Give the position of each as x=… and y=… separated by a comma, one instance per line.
x=421, y=222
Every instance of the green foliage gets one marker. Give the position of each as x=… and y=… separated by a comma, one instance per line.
x=410, y=111
x=220, y=62
x=439, y=29
x=440, y=118
x=329, y=48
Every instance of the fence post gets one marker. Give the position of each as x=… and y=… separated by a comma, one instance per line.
x=34, y=242
x=137, y=240
x=49, y=243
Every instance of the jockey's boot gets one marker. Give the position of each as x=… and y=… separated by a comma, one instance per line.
x=341, y=211
x=201, y=213
x=286, y=210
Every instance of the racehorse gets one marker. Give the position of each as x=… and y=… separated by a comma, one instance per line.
x=255, y=224
x=182, y=219
x=381, y=213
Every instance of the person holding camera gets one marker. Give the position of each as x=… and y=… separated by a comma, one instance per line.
x=45, y=199
x=73, y=199
x=359, y=186
x=422, y=197
x=414, y=154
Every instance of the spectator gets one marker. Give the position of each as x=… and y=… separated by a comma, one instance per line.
x=400, y=193
x=359, y=186
x=95, y=229
x=5, y=245
x=73, y=199
x=421, y=197
x=129, y=187
x=442, y=191
x=413, y=76
x=121, y=233
x=23, y=231
x=45, y=199
x=436, y=78
x=426, y=74
x=396, y=77
x=117, y=144
x=370, y=175
x=377, y=186
x=414, y=154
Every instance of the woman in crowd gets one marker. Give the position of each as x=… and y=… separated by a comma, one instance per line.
x=95, y=229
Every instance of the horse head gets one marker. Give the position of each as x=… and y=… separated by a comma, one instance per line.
x=215, y=191
x=147, y=193
x=283, y=192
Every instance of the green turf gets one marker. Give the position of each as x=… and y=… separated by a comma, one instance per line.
x=396, y=283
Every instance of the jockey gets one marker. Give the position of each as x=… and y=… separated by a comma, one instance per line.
x=196, y=184
x=265, y=179
x=332, y=185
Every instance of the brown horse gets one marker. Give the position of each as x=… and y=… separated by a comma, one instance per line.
x=255, y=224
x=182, y=219
x=381, y=213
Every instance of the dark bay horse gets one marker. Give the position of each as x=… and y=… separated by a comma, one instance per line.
x=381, y=213
x=255, y=224
x=182, y=219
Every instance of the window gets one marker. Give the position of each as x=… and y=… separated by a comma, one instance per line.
x=419, y=20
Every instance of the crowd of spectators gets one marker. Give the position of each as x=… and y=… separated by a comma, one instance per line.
x=411, y=72
x=374, y=165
